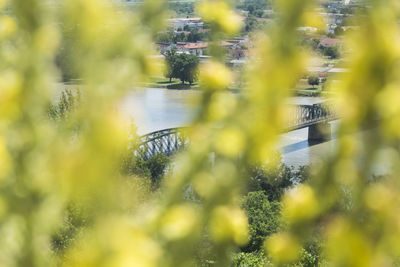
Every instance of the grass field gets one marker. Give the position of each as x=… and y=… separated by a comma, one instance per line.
x=161, y=82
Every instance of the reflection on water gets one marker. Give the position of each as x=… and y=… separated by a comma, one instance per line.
x=297, y=150
x=156, y=109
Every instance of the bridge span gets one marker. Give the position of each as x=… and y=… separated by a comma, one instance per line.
x=315, y=117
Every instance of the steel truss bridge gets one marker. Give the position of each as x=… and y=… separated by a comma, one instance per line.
x=169, y=141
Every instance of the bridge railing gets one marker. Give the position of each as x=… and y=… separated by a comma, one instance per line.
x=305, y=115
x=169, y=141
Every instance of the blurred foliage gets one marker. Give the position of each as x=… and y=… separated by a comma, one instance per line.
x=274, y=181
x=67, y=103
x=250, y=259
x=46, y=169
x=74, y=222
x=153, y=168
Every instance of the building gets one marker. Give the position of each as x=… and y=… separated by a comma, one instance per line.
x=180, y=23
x=200, y=48
x=197, y=49
x=329, y=42
x=163, y=47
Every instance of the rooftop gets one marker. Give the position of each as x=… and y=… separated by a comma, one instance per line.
x=185, y=19
x=330, y=42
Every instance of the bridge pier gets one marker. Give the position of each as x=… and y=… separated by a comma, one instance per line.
x=319, y=132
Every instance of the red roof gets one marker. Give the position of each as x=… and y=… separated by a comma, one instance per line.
x=185, y=19
x=204, y=30
x=327, y=42
x=195, y=45
x=200, y=45
x=225, y=43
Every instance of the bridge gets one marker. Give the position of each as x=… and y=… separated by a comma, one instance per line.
x=315, y=117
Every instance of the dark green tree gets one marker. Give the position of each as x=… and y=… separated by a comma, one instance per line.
x=313, y=80
x=332, y=52
x=185, y=67
x=250, y=23
x=252, y=5
x=251, y=8
x=275, y=181
x=339, y=30
x=263, y=217
x=170, y=56
x=179, y=37
x=165, y=37
x=258, y=13
x=181, y=8
x=314, y=43
x=153, y=168
x=157, y=165
x=195, y=36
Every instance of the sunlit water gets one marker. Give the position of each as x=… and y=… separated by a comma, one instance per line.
x=156, y=109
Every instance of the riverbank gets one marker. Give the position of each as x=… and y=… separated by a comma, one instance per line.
x=160, y=82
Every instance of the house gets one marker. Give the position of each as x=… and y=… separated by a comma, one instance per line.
x=227, y=45
x=324, y=72
x=197, y=49
x=180, y=23
x=329, y=42
x=238, y=53
x=163, y=47
x=307, y=29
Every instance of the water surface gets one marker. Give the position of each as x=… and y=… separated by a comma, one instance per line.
x=155, y=109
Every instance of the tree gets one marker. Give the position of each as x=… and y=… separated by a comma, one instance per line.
x=67, y=103
x=250, y=23
x=315, y=43
x=263, y=217
x=252, y=5
x=313, y=80
x=157, y=165
x=152, y=169
x=170, y=56
x=331, y=51
x=258, y=13
x=250, y=259
x=181, y=8
x=275, y=181
x=165, y=37
x=185, y=67
x=339, y=30
x=251, y=9
x=195, y=35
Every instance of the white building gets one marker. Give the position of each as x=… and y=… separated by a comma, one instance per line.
x=180, y=23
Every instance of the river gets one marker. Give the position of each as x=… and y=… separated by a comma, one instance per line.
x=154, y=109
